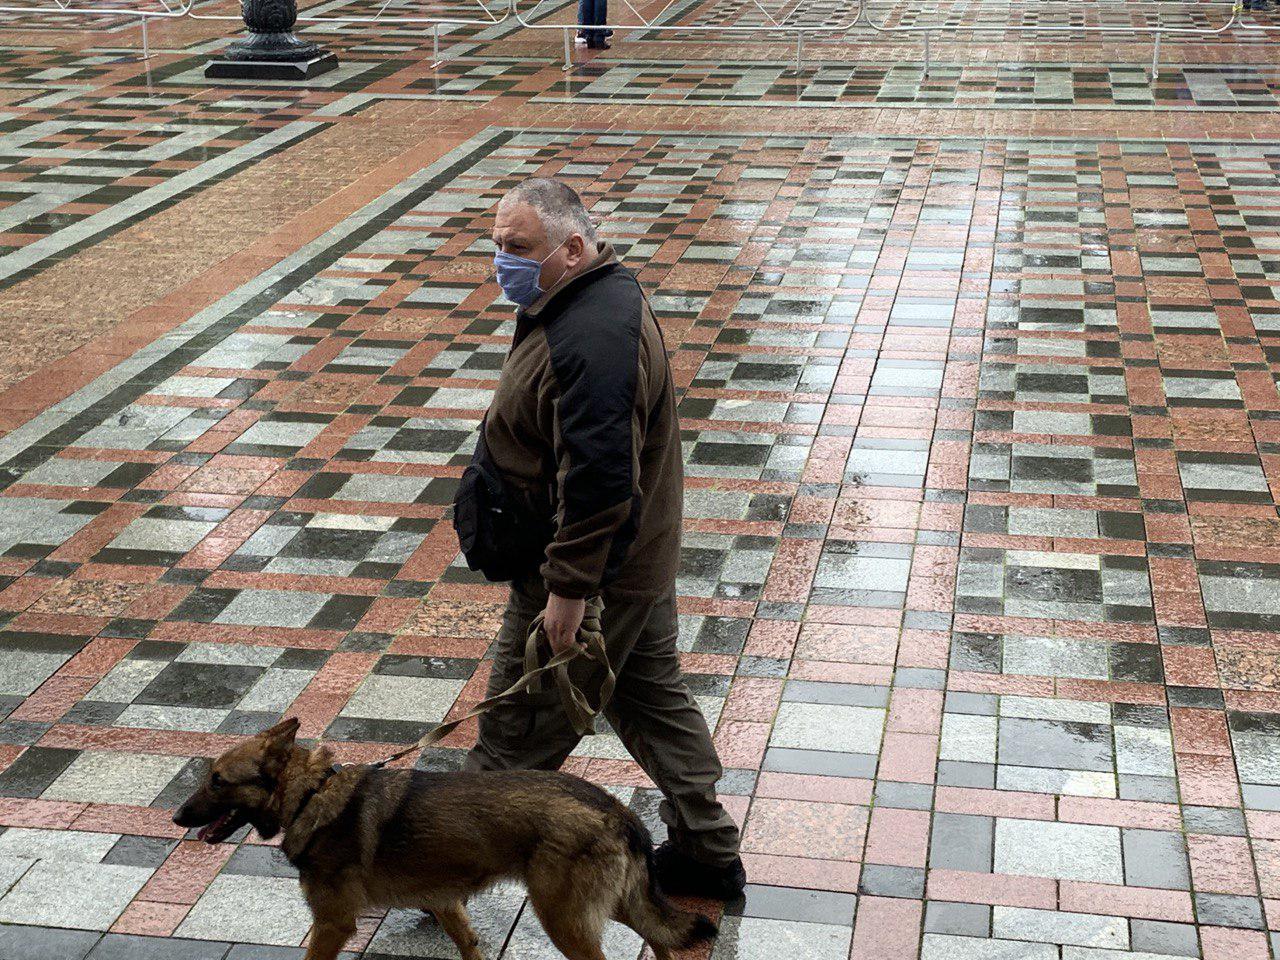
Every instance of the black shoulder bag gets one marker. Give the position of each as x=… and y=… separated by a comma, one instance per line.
x=500, y=536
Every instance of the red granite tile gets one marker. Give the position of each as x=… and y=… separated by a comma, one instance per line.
x=797, y=828
x=22, y=593
x=913, y=710
x=189, y=869
x=1110, y=691
x=1200, y=731
x=1189, y=666
x=924, y=648
x=55, y=697
x=329, y=690
x=752, y=698
x=1173, y=906
x=387, y=614
x=886, y=929
x=366, y=927
x=803, y=872
x=31, y=622
x=117, y=818
x=791, y=576
x=1225, y=943
x=1221, y=865
x=168, y=742
x=1263, y=823
x=826, y=672
x=799, y=786
x=621, y=773
x=908, y=757
x=145, y=919
x=433, y=556
x=853, y=616
x=898, y=837
x=718, y=664
x=9, y=752
x=472, y=649
x=851, y=644
x=97, y=658
x=772, y=638
x=736, y=805
x=1138, y=814
x=962, y=886
x=158, y=602
x=1000, y=684
x=994, y=803
x=44, y=814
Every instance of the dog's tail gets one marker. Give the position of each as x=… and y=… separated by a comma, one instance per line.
x=653, y=916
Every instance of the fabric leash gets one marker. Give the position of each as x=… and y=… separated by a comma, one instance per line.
x=590, y=643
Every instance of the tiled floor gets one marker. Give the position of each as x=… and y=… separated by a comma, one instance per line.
x=978, y=375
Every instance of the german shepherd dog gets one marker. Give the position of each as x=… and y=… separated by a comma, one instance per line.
x=363, y=837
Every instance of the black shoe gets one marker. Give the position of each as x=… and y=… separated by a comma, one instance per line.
x=682, y=876
x=598, y=45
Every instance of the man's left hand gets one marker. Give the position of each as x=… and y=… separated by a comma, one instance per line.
x=561, y=621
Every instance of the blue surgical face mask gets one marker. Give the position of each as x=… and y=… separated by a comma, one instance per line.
x=518, y=276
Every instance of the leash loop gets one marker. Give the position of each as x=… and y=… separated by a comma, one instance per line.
x=582, y=715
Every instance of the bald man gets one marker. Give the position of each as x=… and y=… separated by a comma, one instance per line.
x=582, y=446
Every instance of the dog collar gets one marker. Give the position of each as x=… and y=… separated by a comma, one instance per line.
x=310, y=794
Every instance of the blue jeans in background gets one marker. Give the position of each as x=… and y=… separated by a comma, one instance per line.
x=593, y=13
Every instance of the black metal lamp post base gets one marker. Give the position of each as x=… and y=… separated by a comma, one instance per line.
x=270, y=51
x=323, y=62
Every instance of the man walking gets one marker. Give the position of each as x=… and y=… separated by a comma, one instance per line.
x=584, y=437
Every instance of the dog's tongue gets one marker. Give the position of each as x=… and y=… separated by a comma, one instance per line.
x=211, y=829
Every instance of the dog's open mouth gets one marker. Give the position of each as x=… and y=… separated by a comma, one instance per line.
x=223, y=827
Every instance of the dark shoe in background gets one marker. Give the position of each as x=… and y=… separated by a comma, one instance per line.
x=682, y=876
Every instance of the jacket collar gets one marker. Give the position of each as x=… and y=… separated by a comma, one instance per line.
x=605, y=261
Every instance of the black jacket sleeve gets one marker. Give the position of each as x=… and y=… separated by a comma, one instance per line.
x=600, y=416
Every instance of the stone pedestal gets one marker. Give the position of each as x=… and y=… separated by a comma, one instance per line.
x=270, y=51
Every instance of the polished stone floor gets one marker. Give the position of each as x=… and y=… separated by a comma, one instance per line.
x=978, y=377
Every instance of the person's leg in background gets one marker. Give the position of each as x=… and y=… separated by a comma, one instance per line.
x=600, y=15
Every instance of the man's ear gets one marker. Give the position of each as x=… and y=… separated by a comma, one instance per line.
x=577, y=248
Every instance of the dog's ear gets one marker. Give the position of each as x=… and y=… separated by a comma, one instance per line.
x=280, y=737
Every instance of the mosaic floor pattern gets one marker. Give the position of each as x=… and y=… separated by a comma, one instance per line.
x=980, y=582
